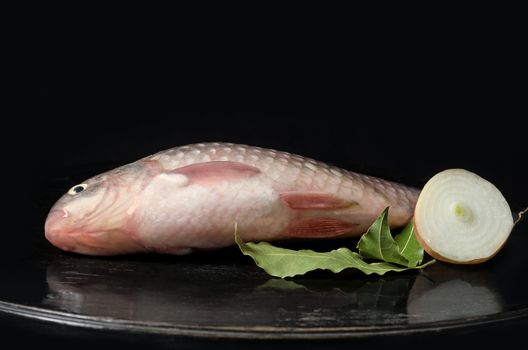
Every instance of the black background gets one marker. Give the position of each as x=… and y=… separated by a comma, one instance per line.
x=398, y=111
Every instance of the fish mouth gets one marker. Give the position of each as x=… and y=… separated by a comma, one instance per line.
x=55, y=231
x=77, y=241
x=95, y=243
x=59, y=231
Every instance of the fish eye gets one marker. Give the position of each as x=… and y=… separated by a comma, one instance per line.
x=77, y=188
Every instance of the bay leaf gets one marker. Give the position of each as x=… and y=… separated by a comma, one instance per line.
x=408, y=245
x=281, y=262
x=377, y=242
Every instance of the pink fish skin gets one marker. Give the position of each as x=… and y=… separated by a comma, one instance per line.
x=190, y=197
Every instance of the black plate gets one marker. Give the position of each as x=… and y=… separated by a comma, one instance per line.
x=223, y=294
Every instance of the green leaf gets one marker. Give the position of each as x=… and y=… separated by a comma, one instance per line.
x=408, y=245
x=377, y=242
x=281, y=262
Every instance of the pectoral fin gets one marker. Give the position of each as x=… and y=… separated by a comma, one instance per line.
x=211, y=172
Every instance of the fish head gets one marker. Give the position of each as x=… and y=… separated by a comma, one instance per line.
x=94, y=218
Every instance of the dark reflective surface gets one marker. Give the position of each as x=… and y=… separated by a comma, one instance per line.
x=223, y=294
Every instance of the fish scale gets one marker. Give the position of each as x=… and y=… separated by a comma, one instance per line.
x=281, y=164
x=190, y=197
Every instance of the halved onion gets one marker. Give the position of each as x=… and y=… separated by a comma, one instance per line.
x=462, y=218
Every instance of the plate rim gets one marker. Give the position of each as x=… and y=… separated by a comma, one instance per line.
x=252, y=332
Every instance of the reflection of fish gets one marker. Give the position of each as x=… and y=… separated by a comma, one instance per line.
x=181, y=294
x=156, y=292
x=190, y=197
